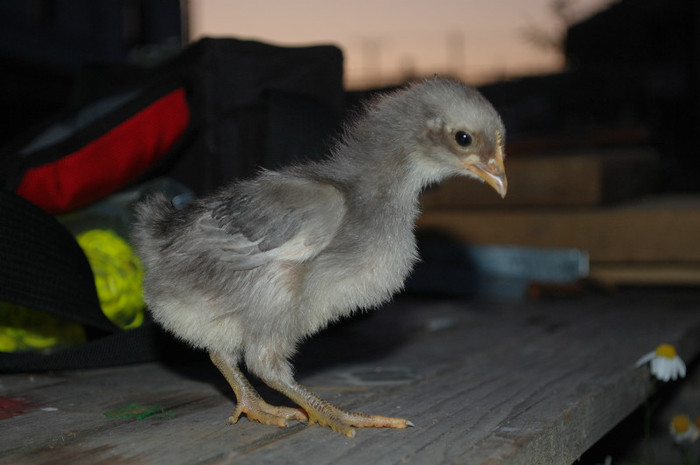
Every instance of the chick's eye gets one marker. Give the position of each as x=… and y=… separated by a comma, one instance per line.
x=463, y=139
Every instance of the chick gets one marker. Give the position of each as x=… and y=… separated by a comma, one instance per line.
x=250, y=271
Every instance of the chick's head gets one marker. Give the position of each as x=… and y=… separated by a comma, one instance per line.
x=462, y=133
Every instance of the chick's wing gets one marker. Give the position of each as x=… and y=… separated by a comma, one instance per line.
x=274, y=217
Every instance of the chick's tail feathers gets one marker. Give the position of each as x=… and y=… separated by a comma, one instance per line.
x=153, y=224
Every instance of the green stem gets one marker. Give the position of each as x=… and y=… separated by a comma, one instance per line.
x=685, y=454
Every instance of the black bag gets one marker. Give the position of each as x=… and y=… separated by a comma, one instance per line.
x=248, y=104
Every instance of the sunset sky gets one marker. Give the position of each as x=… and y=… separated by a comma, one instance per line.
x=480, y=40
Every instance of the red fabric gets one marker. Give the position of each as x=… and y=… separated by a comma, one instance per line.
x=108, y=163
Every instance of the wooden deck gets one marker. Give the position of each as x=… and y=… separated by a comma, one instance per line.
x=512, y=383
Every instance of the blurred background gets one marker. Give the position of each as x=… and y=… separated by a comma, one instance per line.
x=388, y=42
x=600, y=98
x=549, y=65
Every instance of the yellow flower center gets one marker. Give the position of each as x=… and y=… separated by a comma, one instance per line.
x=666, y=350
x=680, y=423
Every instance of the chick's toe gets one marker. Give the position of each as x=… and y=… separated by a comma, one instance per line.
x=339, y=420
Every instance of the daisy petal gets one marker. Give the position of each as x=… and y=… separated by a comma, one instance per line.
x=646, y=358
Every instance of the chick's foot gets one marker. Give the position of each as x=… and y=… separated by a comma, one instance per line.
x=248, y=401
x=340, y=420
x=257, y=409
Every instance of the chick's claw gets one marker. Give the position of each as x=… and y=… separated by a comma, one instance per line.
x=267, y=414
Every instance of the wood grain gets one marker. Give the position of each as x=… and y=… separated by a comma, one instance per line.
x=485, y=383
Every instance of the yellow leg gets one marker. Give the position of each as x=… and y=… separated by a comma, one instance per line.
x=324, y=413
x=249, y=402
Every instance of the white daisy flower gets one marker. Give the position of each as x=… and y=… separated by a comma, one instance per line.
x=683, y=430
x=664, y=363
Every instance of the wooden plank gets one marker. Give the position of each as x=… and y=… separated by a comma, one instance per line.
x=651, y=274
x=484, y=384
x=590, y=177
x=661, y=229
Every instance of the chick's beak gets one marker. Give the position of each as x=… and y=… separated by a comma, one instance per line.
x=493, y=172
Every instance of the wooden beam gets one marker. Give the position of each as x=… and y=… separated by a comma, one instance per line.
x=565, y=179
x=662, y=229
x=484, y=383
x=647, y=274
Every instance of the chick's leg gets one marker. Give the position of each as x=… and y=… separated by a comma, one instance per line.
x=248, y=401
x=323, y=412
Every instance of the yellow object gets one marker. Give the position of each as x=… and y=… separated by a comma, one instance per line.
x=680, y=423
x=23, y=328
x=118, y=276
x=666, y=350
x=683, y=430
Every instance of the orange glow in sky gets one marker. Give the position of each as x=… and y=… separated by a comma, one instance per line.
x=383, y=40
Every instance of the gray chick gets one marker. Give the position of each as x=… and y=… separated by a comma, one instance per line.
x=249, y=272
